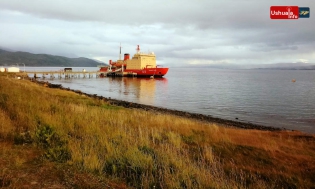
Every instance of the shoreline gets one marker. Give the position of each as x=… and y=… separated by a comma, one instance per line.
x=92, y=141
x=195, y=116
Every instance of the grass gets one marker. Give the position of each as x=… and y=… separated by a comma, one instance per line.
x=88, y=143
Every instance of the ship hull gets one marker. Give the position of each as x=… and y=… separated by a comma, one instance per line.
x=146, y=72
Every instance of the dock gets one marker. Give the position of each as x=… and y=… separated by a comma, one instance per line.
x=120, y=74
x=76, y=74
x=63, y=74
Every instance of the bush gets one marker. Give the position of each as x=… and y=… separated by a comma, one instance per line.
x=56, y=148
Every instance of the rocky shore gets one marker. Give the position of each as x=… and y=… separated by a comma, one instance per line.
x=200, y=117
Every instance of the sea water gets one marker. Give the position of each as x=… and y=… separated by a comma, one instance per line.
x=277, y=98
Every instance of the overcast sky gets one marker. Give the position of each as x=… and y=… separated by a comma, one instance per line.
x=179, y=32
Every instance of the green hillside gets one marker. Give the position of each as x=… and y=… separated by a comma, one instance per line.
x=29, y=59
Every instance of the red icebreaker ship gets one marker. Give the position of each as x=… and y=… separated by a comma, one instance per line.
x=141, y=65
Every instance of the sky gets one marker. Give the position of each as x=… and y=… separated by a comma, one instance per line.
x=179, y=32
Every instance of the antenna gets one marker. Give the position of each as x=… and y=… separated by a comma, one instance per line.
x=138, y=49
x=120, y=52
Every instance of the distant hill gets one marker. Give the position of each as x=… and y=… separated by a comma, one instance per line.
x=2, y=51
x=13, y=58
x=277, y=66
x=288, y=66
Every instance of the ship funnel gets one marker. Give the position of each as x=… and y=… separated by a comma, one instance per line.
x=126, y=56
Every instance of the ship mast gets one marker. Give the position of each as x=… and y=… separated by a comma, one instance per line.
x=120, y=52
x=138, y=49
x=122, y=66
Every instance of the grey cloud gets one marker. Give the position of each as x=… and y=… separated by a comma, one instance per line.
x=177, y=30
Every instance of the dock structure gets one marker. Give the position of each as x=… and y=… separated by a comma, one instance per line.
x=121, y=74
x=77, y=74
x=62, y=74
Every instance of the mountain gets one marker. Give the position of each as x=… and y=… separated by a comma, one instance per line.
x=277, y=66
x=288, y=66
x=13, y=58
x=2, y=51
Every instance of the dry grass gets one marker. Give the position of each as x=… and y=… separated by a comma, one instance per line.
x=146, y=149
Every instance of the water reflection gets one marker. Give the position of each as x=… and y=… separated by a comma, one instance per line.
x=141, y=90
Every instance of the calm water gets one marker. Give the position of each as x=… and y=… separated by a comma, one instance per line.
x=266, y=97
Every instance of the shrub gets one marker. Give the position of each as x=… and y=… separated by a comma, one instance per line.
x=56, y=148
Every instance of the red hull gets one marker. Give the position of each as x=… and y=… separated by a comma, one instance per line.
x=146, y=72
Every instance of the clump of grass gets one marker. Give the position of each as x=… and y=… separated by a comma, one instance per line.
x=6, y=126
x=5, y=178
x=56, y=148
x=148, y=150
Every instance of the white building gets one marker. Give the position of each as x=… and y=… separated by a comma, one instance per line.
x=13, y=69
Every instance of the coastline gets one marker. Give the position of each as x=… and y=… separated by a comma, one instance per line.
x=121, y=144
x=195, y=116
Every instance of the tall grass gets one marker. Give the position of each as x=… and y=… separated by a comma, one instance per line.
x=146, y=149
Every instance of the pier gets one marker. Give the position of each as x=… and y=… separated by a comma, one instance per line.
x=76, y=74
x=64, y=74
x=120, y=74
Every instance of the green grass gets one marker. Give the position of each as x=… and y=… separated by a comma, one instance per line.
x=144, y=150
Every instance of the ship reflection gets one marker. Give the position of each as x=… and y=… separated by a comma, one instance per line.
x=140, y=90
